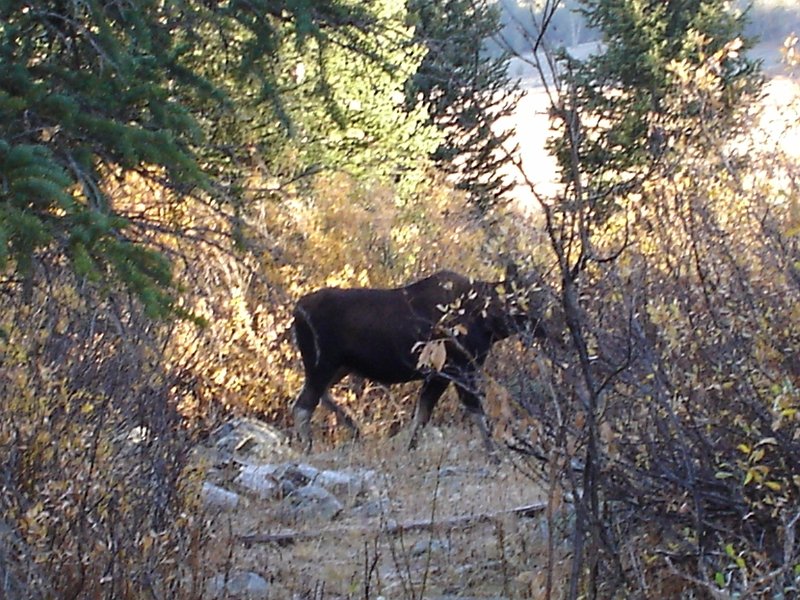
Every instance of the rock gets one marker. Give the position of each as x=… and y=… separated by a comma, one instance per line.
x=297, y=474
x=450, y=471
x=314, y=500
x=286, y=487
x=306, y=470
x=217, y=498
x=422, y=547
x=261, y=480
x=345, y=482
x=372, y=509
x=251, y=441
x=272, y=480
x=138, y=434
x=240, y=584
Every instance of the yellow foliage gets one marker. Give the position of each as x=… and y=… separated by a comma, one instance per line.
x=337, y=231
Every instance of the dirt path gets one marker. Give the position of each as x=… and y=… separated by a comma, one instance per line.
x=447, y=481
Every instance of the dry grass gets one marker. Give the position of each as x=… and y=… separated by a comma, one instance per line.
x=447, y=477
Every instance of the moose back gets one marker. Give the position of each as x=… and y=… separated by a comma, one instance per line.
x=438, y=330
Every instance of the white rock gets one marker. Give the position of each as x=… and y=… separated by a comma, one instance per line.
x=250, y=440
x=309, y=472
x=138, y=434
x=216, y=497
x=371, y=509
x=424, y=546
x=260, y=480
x=346, y=481
x=242, y=584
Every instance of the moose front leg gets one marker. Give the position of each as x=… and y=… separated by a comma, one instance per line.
x=472, y=403
x=431, y=391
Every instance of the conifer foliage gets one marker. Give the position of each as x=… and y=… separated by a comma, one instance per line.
x=467, y=92
x=625, y=94
x=672, y=286
x=177, y=93
x=85, y=90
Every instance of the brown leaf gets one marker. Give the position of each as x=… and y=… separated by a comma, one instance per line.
x=433, y=355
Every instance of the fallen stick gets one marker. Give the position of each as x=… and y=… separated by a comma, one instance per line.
x=288, y=536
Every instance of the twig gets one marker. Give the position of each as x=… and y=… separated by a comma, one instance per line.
x=289, y=536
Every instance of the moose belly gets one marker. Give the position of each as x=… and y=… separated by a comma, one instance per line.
x=383, y=366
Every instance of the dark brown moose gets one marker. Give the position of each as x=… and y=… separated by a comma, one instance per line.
x=439, y=329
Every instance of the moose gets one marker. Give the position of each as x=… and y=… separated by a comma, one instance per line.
x=438, y=330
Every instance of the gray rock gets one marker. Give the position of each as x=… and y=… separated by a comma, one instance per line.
x=241, y=584
x=422, y=547
x=372, y=508
x=314, y=500
x=450, y=471
x=260, y=480
x=306, y=470
x=272, y=480
x=286, y=487
x=215, y=497
x=346, y=481
x=250, y=440
x=296, y=474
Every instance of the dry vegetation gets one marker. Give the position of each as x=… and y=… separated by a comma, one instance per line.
x=474, y=543
x=102, y=406
x=693, y=330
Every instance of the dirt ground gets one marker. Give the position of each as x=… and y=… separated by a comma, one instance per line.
x=437, y=522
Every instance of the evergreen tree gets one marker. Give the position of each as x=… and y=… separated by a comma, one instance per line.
x=466, y=91
x=333, y=101
x=177, y=92
x=621, y=106
x=345, y=103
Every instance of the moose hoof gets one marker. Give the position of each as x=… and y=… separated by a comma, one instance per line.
x=302, y=426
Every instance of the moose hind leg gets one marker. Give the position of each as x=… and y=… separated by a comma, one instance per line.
x=302, y=410
x=342, y=416
x=315, y=388
x=431, y=391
